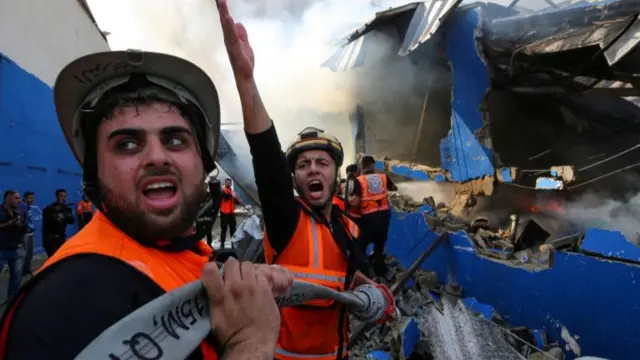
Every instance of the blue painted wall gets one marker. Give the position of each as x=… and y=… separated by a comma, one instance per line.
x=461, y=153
x=34, y=156
x=593, y=298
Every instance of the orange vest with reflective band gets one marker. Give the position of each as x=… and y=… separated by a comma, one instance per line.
x=373, y=196
x=228, y=203
x=84, y=207
x=310, y=331
x=169, y=270
x=337, y=201
x=354, y=212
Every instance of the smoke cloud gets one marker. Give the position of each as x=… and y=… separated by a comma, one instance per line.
x=290, y=38
x=595, y=211
x=418, y=190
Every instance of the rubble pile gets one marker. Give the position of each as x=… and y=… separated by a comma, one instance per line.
x=403, y=203
x=437, y=322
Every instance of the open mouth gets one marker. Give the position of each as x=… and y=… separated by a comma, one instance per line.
x=315, y=189
x=160, y=190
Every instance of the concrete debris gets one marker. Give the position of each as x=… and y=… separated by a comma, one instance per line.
x=438, y=323
x=403, y=203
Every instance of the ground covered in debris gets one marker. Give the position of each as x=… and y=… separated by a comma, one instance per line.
x=526, y=240
x=438, y=323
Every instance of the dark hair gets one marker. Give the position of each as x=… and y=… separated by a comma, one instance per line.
x=8, y=193
x=368, y=161
x=137, y=92
x=342, y=181
x=28, y=193
x=352, y=168
x=60, y=191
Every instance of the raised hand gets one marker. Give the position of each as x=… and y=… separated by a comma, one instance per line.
x=236, y=41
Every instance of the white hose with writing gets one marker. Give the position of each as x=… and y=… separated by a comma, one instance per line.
x=173, y=325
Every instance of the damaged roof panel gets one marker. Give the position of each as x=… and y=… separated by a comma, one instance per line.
x=427, y=18
x=425, y=21
x=581, y=24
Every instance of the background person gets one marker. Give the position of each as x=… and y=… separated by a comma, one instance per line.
x=55, y=218
x=12, y=231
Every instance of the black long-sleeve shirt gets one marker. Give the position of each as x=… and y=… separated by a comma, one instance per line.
x=75, y=302
x=280, y=209
x=55, y=218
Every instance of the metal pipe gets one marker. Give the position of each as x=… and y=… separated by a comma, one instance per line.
x=402, y=280
x=513, y=228
x=399, y=284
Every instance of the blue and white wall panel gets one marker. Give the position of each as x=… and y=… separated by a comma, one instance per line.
x=37, y=38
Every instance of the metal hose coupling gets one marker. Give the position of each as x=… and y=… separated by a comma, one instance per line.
x=373, y=303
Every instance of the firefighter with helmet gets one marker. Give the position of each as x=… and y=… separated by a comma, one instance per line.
x=306, y=234
x=145, y=128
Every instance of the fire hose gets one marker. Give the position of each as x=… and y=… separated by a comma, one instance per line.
x=399, y=284
x=173, y=325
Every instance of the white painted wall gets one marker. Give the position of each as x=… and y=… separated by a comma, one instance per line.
x=42, y=36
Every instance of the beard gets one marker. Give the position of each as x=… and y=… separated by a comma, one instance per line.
x=128, y=215
x=318, y=206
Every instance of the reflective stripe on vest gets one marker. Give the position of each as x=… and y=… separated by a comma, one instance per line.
x=313, y=255
x=373, y=195
x=101, y=237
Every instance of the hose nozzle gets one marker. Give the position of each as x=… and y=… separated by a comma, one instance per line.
x=372, y=303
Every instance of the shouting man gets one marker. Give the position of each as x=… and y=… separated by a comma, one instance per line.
x=145, y=127
x=307, y=235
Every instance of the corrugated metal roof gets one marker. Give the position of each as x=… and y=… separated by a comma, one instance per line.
x=427, y=17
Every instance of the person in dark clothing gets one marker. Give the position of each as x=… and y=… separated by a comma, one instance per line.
x=353, y=212
x=228, y=211
x=55, y=218
x=28, y=199
x=12, y=230
x=370, y=194
x=208, y=218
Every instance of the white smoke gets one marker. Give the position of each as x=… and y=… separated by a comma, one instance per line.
x=290, y=38
x=418, y=190
x=594, y=211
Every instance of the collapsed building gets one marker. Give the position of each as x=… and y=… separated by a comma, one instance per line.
x=525, y=108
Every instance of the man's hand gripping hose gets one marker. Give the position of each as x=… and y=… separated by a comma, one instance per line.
x=173, y=325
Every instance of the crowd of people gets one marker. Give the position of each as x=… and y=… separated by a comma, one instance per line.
x=17, y=230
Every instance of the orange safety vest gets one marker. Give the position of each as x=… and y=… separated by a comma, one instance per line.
x=228, y=203
x=309, y=331
x=100, y=236
x=84, y=207
x=354, y=212
x=373, y=196
x=337, y=201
